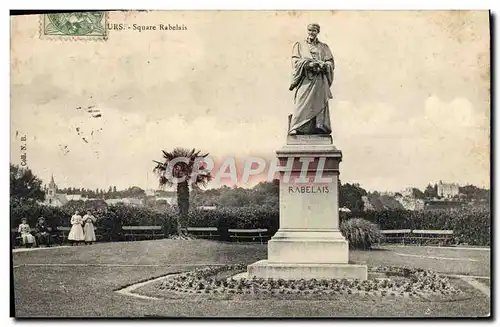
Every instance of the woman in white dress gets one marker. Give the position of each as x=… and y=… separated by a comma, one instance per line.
x=76, y=233
x=24, y=229
x=88, y=228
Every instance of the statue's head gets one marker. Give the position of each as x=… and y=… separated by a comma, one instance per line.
x=313, y=31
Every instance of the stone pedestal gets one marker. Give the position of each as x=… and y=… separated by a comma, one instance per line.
x=308, y=243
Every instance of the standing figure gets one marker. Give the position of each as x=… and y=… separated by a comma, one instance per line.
x=43, y=232
x=312, y=66
x=88, y=229
x=76, y=233
x=25, y=231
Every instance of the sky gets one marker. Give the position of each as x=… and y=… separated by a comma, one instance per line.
x=411, y=94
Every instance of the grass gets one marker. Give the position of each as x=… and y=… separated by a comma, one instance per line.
x=409, y=256
x=485, y=282
x=88, y=291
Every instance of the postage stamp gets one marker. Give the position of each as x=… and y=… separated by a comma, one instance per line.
x=74, y=26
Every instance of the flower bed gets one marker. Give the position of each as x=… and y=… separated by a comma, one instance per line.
x=394, y=282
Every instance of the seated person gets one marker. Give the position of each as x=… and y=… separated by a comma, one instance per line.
x=25, y=232
x=43, y=235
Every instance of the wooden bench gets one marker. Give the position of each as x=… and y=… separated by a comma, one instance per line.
x=132, y=233
x=204, y=232
x=249, y=234
x=17, y=240
x=426, y=237
x=16, y=237
x=63, y=232
x=398, y=235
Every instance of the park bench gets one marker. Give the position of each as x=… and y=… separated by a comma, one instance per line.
x=16, y=237
x=133, y=233
x=63, y=231
x=259, y=234
x=432, y=237
x=17, y=241
x=204, y=232
x=396, y=235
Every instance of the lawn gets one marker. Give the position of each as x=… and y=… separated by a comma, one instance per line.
x=80, y=282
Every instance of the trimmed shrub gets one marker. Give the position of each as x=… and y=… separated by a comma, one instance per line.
x=236, y=217
x=360, y=233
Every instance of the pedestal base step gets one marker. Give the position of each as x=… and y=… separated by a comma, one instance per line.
x=291, y=271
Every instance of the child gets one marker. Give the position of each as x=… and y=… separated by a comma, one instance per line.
x=25, y=231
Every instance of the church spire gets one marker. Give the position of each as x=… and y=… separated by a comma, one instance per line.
x=52, y=183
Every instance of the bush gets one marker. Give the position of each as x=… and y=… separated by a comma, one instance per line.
x=470, y=225
x=360, y=233
x=234, y=217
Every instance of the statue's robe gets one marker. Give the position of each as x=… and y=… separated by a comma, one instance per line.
x=312, y=91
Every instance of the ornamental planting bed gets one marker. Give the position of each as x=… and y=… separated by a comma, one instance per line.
x=227, y=282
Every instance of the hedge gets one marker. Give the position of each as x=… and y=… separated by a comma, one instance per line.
x=470, y=225
x=109, y=219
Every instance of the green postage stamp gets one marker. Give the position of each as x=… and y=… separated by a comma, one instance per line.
x=74, y=25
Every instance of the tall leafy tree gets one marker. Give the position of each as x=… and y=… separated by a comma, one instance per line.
x=182, y=174
x=350, y=196
x=417, y=194
x=25, y=185
x=431, y=191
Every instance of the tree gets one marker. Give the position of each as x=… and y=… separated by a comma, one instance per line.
x=431, y=191
x=417, y=194
x=25, y=185
x=472, y=192
x=235, y=197
x=133, y=192
x=266, y=193
x=182, y=175
x=351, y=196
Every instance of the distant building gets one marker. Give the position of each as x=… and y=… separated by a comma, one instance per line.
x=407, y=192
x=127, y=201
x=367, y=205
x=447, y=190
x=410, y=203
x=75, y=197
x=171, y=200
x=52, y=198
x=207, y=207
x=170, y=197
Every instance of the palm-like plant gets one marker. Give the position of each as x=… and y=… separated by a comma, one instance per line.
x=182, y=174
